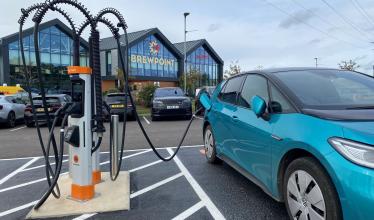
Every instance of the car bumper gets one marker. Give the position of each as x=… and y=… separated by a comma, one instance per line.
x=3, y=116
x=119, y=111
x=355, y=186
x=42, y=118
x=171, y=112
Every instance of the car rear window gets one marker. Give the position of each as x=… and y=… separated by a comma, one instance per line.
x=116, y=98
x=168, y=92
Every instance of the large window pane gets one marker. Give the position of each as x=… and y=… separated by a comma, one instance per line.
x=65, y=45
x=55, y=44
x=44, y=43
x=56, y=59
x=65, y=60
x=14, y=57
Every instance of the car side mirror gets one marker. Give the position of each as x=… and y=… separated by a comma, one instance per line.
x=205, y=101
x=258, y=105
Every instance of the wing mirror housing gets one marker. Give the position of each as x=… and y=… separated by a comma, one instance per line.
x=259, y=107
x=205, y=101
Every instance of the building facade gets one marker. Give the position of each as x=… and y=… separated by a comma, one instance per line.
x=153, y=59
x=56, y=53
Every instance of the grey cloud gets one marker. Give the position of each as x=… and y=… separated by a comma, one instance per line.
x=214, y=27
x=360, y=58
x=296, y=19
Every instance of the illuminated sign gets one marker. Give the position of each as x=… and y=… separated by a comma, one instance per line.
x=154, y=49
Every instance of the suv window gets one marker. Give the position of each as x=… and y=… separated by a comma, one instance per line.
x=253, y=85
x=278, y=102
x=230, y=91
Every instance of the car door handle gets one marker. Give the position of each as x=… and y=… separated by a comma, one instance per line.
x=235, y=118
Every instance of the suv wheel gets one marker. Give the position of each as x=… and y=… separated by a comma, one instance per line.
x=308, y=191
x=11, y=120
x=210, y=146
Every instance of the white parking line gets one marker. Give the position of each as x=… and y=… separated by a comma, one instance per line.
x=3, y=180
x=146, y=120
x=105, y=152
x=26, y=184
x=199, y=191
x=40, y=166
x=16, y=209
x=84, y=216
x=154, y=186
x=145, y=166
x=16, y=129
x=189, y=211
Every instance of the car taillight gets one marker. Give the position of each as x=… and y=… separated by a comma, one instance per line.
x=28, y=108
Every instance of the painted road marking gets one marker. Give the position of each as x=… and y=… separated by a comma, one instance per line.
x=156, y=185
x=40, y=166
x=84, y=216
x=189, y=211
x=106, y=152
x=16, y=129
x=199, y=191
x=3, y=180
x=146, y=120
x=16, y=209
x=145, y=166
x=26, y=184
x=42, y=179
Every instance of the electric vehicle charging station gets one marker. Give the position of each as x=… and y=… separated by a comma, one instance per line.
x=85, y=127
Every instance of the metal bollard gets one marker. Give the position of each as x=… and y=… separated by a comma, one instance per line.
x=114, y=147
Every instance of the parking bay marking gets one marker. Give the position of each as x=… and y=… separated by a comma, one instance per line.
x=16, y=209
x=16, y=129
x=3, y=180
x=146, y=120
x=190, y=211
x=197, y=188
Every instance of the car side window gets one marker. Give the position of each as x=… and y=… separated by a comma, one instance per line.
x=253, y=85
x=230, y=91
x=279, y=104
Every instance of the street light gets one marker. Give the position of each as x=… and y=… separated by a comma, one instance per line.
x=184, y=58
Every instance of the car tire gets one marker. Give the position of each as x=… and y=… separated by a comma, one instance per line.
x=210, y=146
x=29, y=124
x=305, y=182
x=154, y=118
x=11, y=120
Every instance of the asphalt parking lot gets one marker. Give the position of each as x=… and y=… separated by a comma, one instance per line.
x=184, y=188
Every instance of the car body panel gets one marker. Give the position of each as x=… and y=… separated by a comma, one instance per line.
x=256, y=147
x=9, y=104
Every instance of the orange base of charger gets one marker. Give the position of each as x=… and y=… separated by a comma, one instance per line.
x=82, y=193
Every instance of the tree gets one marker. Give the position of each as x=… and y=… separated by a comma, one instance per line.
x=192, y=80
x=348, y=65
x=146, y=94
x=234, y=69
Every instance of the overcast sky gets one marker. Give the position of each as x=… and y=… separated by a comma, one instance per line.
x=267, y=33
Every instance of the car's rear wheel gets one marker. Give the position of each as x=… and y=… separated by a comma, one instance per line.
x=309, y=193
x=11, y=121
x=210, y=146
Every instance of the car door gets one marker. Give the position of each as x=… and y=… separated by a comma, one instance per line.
x=252, y=150
x=223, y=111
x=15, y=107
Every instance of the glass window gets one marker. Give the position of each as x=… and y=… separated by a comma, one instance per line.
x=253, y=85
x=329, y=89
x=44, y=43
x=231, y=90
x=65, y=45
x=55, y=44
x=65, y=60
x=14, y=57
x=109, y=63
x=278, y=102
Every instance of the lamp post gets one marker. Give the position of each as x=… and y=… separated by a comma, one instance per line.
x=185, y=52
x=316, y=59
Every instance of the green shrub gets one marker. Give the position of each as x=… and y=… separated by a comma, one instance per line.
x=146, y=94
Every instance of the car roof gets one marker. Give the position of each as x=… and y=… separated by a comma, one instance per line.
x=270, y=71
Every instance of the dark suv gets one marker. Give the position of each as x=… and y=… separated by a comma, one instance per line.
x=170, y=101
x=117, y=105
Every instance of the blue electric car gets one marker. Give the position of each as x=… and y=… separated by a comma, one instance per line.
x=304, y=135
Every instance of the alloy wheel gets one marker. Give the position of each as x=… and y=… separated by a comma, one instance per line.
x=304, y=197
x=208, y=145
x=11, y=119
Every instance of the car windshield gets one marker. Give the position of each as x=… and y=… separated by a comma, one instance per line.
x=49, y=100
x=330, y=89
x=164, y=92
x=116, y=98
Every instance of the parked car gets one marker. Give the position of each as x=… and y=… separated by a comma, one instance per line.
x=170, y=102
x=54, y=102
x=117, y=105
x=305, y=136
x=11, y=110
x=205, y=89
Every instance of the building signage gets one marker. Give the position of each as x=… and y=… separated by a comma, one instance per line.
x=154, y=49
